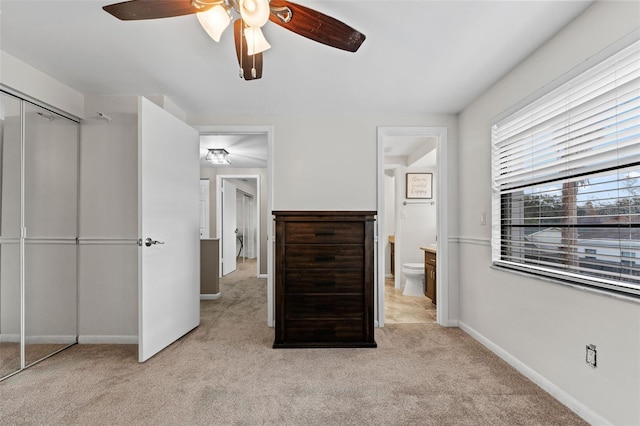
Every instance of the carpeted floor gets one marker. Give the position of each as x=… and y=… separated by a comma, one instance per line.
x=226, y=373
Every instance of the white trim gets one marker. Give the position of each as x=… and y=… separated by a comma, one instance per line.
x=51, y=240
x=474, y=241
x=54, y=339
x=264, y=276
x=576, y=406
x=442, y=231
x=107, y=241
x=10, y=338
x=108, y=340
x=210, y=296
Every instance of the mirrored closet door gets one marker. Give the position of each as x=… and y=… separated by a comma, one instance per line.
x=39, y=264
x=10, y=244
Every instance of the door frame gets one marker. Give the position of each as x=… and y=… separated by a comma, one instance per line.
x=442, y=226
x=207, y=212
x=269, y=131
x=219, y=179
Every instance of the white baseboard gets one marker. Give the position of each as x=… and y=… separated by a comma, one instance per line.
x=210, y=296
x=576, y=406
x=262, y=276
x=55, y=340
x=10, y=338
x=108, y=340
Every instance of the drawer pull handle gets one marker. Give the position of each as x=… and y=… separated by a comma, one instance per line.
x=326, y=283
x=323, y=332
x=322, y=233
x=325, y=258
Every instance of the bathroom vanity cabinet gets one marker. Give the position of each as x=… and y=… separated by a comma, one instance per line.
x=430, y=273
x=324, y=279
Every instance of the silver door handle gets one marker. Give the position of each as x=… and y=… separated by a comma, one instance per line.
x=149, y=242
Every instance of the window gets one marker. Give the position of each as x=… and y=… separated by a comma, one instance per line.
x=566, y=179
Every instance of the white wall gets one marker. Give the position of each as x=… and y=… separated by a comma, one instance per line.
x=540, y=326
x=418, y=220
x=31, y=82
x=329, y=162
x=325, y=162
x=108, y=254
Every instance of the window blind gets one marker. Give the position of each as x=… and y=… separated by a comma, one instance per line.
x=566, y=179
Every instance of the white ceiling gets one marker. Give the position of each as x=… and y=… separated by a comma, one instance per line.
x=419, y=57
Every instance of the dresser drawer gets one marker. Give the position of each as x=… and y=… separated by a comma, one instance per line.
x=324, y=233
x=321, y=281
x=334, y=331
x=304, y=306
x=323, y=256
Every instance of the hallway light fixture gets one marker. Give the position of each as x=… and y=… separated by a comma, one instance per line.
x=218, y=156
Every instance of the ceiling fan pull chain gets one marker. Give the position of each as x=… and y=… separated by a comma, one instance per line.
x=241, y=46
x=254, y=72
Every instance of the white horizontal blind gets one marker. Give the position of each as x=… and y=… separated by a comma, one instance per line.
x=566, y=179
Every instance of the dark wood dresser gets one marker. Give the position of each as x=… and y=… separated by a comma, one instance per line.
x=324, y=279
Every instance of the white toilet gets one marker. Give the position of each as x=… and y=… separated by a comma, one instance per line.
x=414, y=272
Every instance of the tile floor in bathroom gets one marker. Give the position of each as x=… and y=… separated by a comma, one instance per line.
x=406, y=309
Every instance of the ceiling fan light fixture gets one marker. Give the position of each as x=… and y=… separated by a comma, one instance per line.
x=255, y=13
x=218, y=156
x=256, y=43
x=214, y=21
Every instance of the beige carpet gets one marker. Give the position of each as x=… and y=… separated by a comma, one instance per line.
x=226, y=373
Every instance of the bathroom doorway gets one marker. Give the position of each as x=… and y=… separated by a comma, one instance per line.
x=411, y=226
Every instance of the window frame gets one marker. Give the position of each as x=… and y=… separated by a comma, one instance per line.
x=498, y=207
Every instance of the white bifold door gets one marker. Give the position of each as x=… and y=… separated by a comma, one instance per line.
x=169, y=229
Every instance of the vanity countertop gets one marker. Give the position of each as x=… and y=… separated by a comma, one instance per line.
x=430, y=247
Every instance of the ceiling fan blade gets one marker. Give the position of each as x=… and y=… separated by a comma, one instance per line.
x=315, y=25
x=152, y=9
x=247, y=63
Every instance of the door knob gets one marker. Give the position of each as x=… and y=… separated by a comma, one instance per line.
x=149, y=242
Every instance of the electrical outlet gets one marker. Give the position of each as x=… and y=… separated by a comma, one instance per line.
x=591, y=355
x=483, y=218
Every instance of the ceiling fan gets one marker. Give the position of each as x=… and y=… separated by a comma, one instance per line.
x=249, y=16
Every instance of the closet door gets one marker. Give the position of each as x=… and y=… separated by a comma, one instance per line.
x=50, y=217
x=10, y=314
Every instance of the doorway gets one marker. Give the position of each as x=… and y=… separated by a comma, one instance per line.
x=238, y=220
x=434, y=139
x=241, y=143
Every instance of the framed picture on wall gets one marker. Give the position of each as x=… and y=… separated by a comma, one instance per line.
x=419, y=185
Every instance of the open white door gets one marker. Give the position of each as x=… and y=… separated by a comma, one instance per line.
x=169, y=229
x=229, y=227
